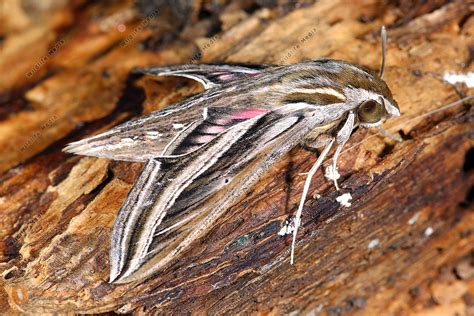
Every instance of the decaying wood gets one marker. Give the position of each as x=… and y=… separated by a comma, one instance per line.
x=405, y=246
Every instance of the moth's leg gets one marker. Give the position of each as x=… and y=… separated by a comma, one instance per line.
x=342, y=136
x=386, y=133
x=307, y=182
x=313, y=144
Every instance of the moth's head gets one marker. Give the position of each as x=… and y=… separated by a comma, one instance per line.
x=373, y=99
x=365, y=92
x=379, y=104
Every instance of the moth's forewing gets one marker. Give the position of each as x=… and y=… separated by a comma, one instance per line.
x=228, y=167
x=138, y=199
x=162, y=188
x=148, y=136
x=208, y=75
x=138, y=140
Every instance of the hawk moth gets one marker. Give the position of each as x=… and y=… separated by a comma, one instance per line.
x=203, y=153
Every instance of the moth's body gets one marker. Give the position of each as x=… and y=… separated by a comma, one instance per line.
x=202, y=154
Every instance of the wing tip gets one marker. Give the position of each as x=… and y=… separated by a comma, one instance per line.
x=70, y=148
x=152, y=71
x=77, y=148
x=138, y=71
x=122, y=276
x=114, y=277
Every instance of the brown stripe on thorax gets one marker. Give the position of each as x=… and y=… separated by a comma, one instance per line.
x=312, y=86
x=319, y=96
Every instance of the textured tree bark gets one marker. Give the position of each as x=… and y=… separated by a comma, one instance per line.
x=404, y=246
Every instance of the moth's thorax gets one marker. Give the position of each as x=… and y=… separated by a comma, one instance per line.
x=332, y=86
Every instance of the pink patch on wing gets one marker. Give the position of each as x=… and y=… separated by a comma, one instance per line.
x=223, y=121
x=248, y=114
x=226, y=77
x=214, y=129
x=203, y=139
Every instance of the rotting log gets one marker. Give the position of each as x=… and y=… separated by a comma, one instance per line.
x=405, y=246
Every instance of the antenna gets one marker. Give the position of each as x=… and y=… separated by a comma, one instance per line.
x=383, y=35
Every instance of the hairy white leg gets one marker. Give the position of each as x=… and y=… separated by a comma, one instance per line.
x=334, y=164
x=342, y=137
x=307, y=182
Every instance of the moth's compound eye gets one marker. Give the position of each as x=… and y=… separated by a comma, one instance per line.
x=370, y=112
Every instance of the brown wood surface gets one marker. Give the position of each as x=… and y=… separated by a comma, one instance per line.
x=65, y=74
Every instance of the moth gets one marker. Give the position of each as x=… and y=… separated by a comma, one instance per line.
x=205, y=152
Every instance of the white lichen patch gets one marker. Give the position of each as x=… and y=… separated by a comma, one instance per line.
x=153, y=135
x=414, y=218
x=178, y=126
x=373, y=243
x=331, y=173
x=429, y=231
x=453, y=78
x=345, y=199
x=287, y=228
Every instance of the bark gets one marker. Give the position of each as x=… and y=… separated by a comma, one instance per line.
x=404, y=246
